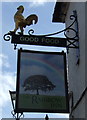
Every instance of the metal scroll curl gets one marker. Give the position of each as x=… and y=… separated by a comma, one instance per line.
x=70, y=29
x=7, y=37
x=31, y=31
x=74, y=18
x=17, y=116
x=75, y=35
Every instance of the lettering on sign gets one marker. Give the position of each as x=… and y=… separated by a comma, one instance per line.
x=39, y=40
x=36, y=40
x=29, y=39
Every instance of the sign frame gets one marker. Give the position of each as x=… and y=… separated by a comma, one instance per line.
x=19, y=110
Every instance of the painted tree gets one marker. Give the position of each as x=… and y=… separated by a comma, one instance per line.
x=38, y=82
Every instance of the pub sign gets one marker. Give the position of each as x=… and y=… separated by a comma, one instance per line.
x=41, y=82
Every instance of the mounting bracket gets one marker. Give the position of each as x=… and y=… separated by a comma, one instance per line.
x=71, y=42
x=16, y=115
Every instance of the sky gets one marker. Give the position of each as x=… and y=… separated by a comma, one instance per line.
x=8, y=56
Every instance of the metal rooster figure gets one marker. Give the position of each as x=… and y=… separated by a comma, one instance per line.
x=21, y=22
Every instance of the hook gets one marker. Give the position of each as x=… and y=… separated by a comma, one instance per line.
x=15, y=46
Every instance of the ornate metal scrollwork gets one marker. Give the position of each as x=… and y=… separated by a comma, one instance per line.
x=75, y=37
x=31, y=31
x=69, y=28
x=7, y=37
x=17, y=116
x=71, y=40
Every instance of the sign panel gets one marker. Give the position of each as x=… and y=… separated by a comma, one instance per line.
x=39, y=40
x=41, y=82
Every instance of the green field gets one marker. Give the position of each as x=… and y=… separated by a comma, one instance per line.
x=27, y=101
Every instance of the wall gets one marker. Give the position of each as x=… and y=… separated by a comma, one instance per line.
x=77, y=72
x=86, y=57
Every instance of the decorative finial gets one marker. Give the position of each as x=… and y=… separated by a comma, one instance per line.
x=46, y=118
x=21, y=22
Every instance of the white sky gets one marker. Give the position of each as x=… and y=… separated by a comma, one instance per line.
x=42, y=1
x=8, y=57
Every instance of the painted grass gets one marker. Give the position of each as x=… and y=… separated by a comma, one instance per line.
x=42, y=102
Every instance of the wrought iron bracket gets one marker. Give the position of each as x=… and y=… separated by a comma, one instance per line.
x=72, y=41
x=15, y=114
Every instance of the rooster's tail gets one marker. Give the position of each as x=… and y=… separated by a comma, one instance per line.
x=31, y=18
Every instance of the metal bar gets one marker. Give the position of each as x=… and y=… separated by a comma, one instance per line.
x=72, y=43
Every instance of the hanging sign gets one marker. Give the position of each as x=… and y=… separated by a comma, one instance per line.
x=39, y=40
x=41, y=82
